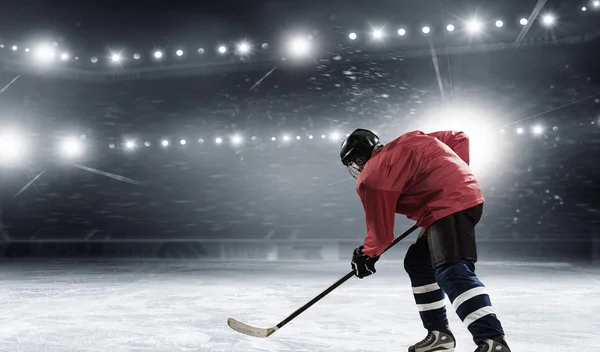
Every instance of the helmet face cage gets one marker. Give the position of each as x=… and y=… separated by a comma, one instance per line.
x=354, y=169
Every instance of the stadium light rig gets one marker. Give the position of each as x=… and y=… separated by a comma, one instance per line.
x=378, y=34
x=236, y=140
x=299, y=47
x=243, y=48
x=11, y=148
x=474, y=26
x=548, y=20
x=71, y=147
x=44, y=53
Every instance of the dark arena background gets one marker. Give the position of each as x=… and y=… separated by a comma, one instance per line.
x=167, y=166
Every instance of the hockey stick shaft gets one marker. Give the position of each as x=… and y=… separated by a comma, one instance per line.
x=339, y=282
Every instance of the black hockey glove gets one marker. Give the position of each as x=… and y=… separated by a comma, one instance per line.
x=362, y=264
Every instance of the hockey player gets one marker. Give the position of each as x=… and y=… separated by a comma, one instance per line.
x=427, y=178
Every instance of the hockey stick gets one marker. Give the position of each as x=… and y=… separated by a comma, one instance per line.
x=261, y=332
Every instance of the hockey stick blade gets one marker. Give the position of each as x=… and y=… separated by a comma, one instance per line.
x=250, y=330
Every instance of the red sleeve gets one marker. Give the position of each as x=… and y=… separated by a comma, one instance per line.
x=457, y=141
x=380, y=211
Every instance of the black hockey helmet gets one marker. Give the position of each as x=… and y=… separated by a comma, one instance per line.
x=357, y=149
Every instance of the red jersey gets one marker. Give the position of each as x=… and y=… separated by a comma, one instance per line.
x=423, y=176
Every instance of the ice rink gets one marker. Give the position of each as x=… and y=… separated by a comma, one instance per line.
x=183, y=306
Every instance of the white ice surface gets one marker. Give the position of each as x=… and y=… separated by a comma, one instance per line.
x=184, y=306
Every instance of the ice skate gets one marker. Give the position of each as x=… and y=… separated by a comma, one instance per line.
x=436, y=341
x=493, y=344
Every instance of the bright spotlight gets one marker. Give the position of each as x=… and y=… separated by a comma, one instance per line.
x=164, y=143
x=298, y=137
x=26, y=50
x=222, y=49
x=115, y=57
x=236, y=139
x=158, y=54
x=310, y=136
x=537, y=130
x=450, y=27
x=72, y=147
x=523, y=21
x=129, y=145
x=334, y=136
x=352, y=36
x=15, y=48
x=474, y=26
x=377, y=34
x=136, y=56
x=584, y=9
x=218, y=140
x=499, y=24
x=201, y=51
x=426, y=30
x=286, y=138
x=273, y=139
x=401, y=31
x=244, y=48
x=520, y=130
x=472, y=120
x=548, y=20
x=64, y=56
x=10, y=147
x=183, y=142
x=299, y=47
x=596, y=3
x=44, y=53
x=179, y=52
x=323, y=136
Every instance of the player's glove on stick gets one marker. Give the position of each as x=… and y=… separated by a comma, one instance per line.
x=362, y=264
